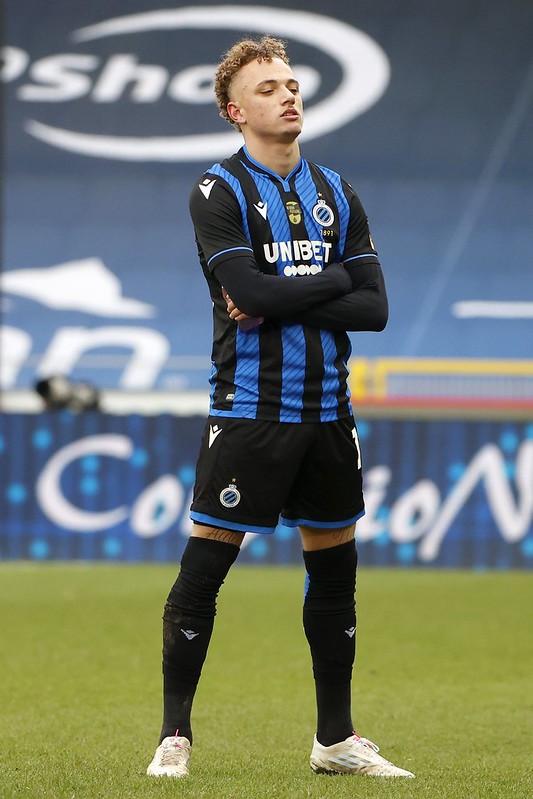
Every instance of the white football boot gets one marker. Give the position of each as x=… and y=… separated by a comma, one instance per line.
x=171, y=758
x=355, y=755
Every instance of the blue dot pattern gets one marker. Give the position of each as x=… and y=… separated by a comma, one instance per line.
x=425, y=461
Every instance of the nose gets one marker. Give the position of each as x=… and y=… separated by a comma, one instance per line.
x=288, y=96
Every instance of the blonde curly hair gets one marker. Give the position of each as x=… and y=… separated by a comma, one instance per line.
x=264, y=49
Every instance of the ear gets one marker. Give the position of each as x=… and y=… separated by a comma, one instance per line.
x=234, y=113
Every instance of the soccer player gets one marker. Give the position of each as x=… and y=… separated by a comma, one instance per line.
x=285, y=248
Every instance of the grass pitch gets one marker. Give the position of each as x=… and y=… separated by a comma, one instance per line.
x=443, y=684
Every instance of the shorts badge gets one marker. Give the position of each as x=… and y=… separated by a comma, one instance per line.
x=230, y=496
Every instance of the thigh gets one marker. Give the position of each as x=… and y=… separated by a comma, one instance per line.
x=314, y=538
x=328, y=491
x=245, y=471
x=217, y=534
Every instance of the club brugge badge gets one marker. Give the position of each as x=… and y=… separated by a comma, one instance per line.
x=294, y=212
x=323, y=214
x=230, y=496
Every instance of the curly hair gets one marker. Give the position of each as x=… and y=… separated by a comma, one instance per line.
x=264, y=49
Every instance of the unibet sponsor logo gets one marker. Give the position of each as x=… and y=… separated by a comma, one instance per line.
x=316, y=253
x=65, y=77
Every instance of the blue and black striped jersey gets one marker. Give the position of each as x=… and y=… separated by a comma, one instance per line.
x=285, y=369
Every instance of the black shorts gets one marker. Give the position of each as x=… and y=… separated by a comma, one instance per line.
x=252, y=474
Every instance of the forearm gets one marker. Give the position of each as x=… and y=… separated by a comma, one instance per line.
x=366, y=308
x=275, y=296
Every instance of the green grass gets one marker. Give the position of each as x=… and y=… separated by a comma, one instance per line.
x=443, y=683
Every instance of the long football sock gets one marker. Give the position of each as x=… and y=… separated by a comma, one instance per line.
x=188, y=621
x=329, y=624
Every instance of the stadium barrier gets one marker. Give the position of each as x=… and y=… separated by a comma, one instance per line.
x=484, y=384
x=117, y=487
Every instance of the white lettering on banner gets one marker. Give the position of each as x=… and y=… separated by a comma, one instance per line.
x=414, y=512
x=155, y=510
x=57, y=79
x=150, y=351
x=364, y=68
x=140, y=369
x=50, y=495
x=83, y=285
x=14, y=63
x=489, y=467
x=421, y=514
x=62, y=76
x=158, y=507
x=15, y=346
x=375, y=490
x=149, y=81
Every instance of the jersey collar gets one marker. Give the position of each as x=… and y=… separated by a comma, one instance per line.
x=247, y=159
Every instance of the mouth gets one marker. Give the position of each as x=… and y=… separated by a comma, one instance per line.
x=291, y=112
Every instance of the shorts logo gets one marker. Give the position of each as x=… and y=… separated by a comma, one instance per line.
x=294, y=212
x=214, y=432
x=323, y=214
x=230, y=496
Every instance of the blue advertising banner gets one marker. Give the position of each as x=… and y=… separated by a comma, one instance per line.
x=118, y=488
x=110, y=120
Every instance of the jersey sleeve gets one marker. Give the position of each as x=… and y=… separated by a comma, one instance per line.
x=358, y=247
x=276, y=296
x=365, y=308
x=217, y=220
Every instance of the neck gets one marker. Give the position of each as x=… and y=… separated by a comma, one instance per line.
x=279, y=157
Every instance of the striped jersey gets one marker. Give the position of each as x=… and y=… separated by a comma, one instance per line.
x=287, y=370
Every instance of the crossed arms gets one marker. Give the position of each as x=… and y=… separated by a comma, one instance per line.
x=341, y=298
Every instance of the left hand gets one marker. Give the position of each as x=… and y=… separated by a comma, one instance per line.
x=244, y=320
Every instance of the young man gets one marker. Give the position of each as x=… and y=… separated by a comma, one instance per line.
x=286, y=252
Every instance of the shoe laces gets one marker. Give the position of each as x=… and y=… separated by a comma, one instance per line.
x=365, y=742
x=172, y=753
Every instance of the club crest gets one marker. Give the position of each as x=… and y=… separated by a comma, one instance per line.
x=230, y=496
x=322, y=214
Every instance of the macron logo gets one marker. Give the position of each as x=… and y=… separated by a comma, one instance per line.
x=262, y=208
x=189, y=634
x=351, y=632
x=206, y=186
x=214, y=431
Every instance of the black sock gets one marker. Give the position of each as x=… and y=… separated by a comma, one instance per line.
x=329, y=624
x=188, y=621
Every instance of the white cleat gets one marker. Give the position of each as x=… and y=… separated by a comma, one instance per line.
x=355, y=755
x=171, y=758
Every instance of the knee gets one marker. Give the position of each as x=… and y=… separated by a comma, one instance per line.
x=331, y=578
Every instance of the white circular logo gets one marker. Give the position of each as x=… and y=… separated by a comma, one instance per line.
x=322, y=214
x=364, y=66
x=230, y=496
